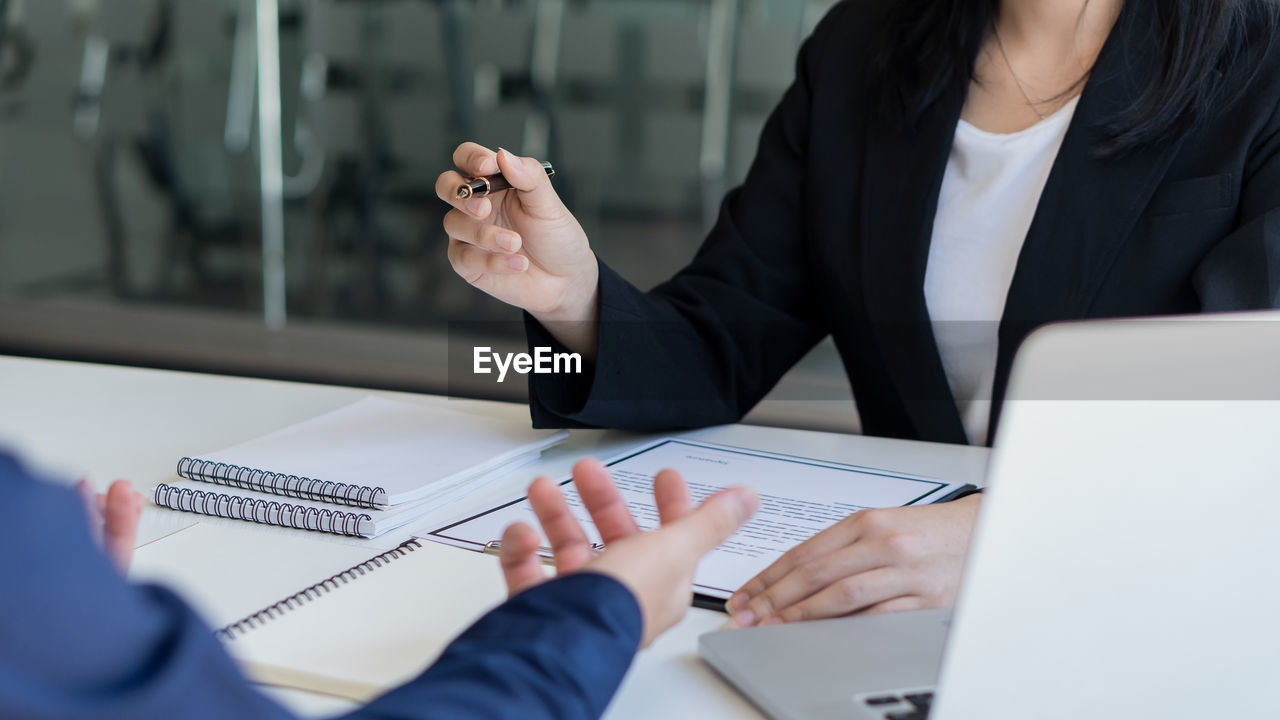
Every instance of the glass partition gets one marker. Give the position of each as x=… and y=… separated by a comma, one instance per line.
x=132, y=174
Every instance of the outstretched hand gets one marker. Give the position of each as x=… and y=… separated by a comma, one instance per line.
x=656, y=566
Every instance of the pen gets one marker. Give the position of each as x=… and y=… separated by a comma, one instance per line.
x=481, y=186
x=706, y=602
x=494, y=547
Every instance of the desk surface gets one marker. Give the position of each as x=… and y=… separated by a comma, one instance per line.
x=106, y=422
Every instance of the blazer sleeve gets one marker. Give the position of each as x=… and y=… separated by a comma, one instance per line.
x=706, y=346
x=77, y=641
x=555, y=652
x=1242, y=272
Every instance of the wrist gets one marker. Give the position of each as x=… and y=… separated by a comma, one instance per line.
x=630, y=588
x=579, y=303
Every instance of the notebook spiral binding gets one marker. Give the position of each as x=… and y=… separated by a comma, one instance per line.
x=294, y=486
x=320, y=589
x=267, y=512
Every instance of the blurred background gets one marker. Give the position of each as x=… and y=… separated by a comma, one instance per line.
x=246, y=186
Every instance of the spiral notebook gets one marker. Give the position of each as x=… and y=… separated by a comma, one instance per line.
x=369, y=628
x=299, y=612
x=361, y=470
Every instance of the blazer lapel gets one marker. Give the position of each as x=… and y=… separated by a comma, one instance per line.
x=1089, y=204
x=901, y=180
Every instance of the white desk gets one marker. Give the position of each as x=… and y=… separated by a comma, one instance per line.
x=106, y=422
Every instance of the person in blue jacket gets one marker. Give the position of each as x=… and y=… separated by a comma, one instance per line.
x=78, y=641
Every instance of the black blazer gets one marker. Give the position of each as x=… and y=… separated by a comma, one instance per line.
x=830, y=234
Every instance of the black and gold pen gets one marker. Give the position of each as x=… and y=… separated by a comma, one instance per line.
x=482, y=186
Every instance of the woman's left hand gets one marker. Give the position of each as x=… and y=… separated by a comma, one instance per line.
x=874, y=561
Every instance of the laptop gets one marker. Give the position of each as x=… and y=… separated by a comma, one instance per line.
x=1126, y=562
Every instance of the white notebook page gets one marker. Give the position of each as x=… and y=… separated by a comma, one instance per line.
x=377, y=631
x=355, y=642
x=226, y=573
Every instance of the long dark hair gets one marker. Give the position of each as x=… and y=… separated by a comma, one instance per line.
x=928, y=47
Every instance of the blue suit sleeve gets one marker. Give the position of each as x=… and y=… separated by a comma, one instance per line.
x=555, y=652
x=78, y=641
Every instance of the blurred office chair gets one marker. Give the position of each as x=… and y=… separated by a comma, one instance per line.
x=429, y=110
x=686, y=146
x=500, y=40
x=387, y=96
x=16, y=50
x=586, y=109
x=145, y=90
x=109, y=110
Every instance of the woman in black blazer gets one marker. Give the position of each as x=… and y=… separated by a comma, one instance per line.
x=1163, y=197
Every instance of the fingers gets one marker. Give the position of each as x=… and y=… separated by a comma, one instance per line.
x=906, y=603
x=94, y=506
x=483, y=235
x=671, y=494
x=93, y=503
x=833, y=538
x=447, y=190
x=475, y=159
x=83, y=489
x=809, y=579
x=601, y=497
x=850, y=595
x=521, y=565
x=569, y=543
x=528, y=176
x=120, y=522
x=718, y=517
x=472, y=161
x=524, y=174
x=470, y=262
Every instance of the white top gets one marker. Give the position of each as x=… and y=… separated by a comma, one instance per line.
x=989, y=195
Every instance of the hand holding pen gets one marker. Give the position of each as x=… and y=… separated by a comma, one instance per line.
x=521, y=245
x=487, y=185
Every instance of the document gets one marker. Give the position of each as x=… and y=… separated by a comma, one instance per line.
x=799, y=497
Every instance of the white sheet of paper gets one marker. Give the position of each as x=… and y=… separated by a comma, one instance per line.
x=798, y=498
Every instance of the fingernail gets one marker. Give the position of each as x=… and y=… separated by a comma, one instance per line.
x=746, y=500
x=507, y=241
x=771, y=620
x=517, y=263
x=474, y=204
x=744, y=618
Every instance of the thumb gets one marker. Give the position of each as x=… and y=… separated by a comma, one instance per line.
x=717, y=518
x=521, y=566
x=528, y=176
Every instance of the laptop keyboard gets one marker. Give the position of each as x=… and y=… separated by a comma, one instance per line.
x=906, y=706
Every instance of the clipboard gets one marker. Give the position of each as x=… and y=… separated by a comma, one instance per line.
x=799, y=497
